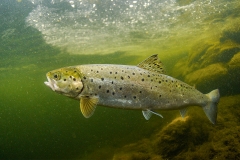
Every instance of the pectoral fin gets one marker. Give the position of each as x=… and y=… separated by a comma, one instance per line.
x=88, y=105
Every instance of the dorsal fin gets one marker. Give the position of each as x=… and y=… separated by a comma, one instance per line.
x=152, y=63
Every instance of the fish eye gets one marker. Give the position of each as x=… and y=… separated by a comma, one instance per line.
x=56, y=76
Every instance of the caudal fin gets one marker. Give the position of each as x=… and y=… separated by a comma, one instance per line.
x=211, y=108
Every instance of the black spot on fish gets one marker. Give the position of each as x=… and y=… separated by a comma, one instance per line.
x=64, y=79
x=120, y=88
x=148, y=75
x=159, y=82
x=128, y=77
x=133, y=73
x=125, y=96
x=95, y=94
x=70, y=76
x=143, y=79
x=115, y=72
x=122, y=70
x=74, y=79
x=122, y=77
x=84, y=77
x=113, y=93
x=91, y=80
x=140, y=91
x=166, y=80
x=97, y=71
x=91, y=70
x=101, y=68
x=107, y=91
x=160, y=95
x=77, y=88
x=102, y=79
x=112, y=82
x=99, y=87
x=110, y=72
x=134, y=97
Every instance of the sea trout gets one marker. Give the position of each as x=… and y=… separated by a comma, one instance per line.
x=143, y=87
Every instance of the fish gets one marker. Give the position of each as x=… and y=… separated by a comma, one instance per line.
x=143, y=87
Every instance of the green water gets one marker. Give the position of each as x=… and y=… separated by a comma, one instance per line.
x=39, y=36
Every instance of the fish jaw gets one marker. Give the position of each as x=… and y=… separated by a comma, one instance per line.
x=50, y=84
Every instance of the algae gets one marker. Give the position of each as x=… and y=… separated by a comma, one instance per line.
x=210, y=74
x=213, y=62
x=235, y=61
x=192, y=137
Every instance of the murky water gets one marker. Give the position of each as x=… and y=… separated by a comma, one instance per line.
x=198, y=41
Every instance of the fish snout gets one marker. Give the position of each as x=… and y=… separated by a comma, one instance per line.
x=49, y=84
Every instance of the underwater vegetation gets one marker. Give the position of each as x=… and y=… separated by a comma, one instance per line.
x=192, y=137
x=213, y=60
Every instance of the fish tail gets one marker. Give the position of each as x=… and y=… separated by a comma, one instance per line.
x=210, y=108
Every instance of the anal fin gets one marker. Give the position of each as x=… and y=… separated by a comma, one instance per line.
x=88, y=105
x=183, y=112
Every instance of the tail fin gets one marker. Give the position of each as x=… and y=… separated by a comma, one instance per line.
x=211, y=107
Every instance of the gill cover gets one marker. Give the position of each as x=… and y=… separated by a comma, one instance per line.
x=65, y=81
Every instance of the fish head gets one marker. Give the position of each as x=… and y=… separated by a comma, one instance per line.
x=65, y=81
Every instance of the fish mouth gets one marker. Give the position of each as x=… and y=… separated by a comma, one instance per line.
x=49, y=83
